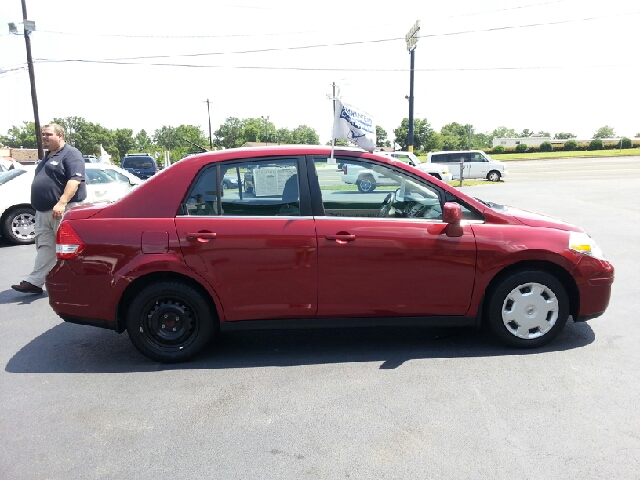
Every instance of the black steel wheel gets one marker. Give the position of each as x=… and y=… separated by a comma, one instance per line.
x=170, y=322
x=528, y=309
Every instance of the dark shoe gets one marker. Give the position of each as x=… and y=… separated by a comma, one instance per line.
x=26, y=287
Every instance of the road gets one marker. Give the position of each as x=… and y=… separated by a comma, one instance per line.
x=79, y=402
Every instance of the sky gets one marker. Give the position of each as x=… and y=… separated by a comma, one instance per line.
x=555, y=66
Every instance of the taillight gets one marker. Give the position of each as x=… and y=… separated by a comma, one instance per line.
x=344, y=169
x=68, y=243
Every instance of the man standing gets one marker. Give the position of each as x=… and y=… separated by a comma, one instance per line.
x=58, y=184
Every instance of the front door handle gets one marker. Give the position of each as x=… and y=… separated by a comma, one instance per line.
x=341, y=238
x=201, y=236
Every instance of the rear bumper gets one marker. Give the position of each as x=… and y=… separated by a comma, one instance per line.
x=72, y=297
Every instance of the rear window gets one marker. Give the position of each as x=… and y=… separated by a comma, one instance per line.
x=137, y=162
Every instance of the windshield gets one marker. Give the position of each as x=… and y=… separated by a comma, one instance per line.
x=495, y=206
x=8, y=175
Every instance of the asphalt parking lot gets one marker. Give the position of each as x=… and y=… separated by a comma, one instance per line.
x=80, y=402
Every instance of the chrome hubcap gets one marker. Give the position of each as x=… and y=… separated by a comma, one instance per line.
x=23, y=226
x=530, y=310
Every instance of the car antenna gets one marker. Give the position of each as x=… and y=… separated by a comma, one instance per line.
x=202, y=149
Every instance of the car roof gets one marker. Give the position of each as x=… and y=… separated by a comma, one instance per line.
x=456, y=151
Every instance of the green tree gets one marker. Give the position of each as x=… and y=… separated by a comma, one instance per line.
x=284, y=135
x=381, y=137
x=525, y=133
x=339, y=142
x=189, y=135
x=304, y=135
x=604, y=132
x=456, y=136
x=481, y=140
x=86, y=136
x=124, y=141
x=563, y=136
x=542, y=133
x=504, y=132
x=166, y=137
x=142, y=142
x=230, y=134
x=258, y=130
x=23, y=136
x=423, y=135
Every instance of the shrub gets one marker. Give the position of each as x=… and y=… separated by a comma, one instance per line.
x=596, y=144
x=521, y=148
x=546, y=147
x=498, y=149
x=570, y=145
x=626, y=143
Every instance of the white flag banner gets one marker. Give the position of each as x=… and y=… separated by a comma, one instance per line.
x=354, y=125
x=104, y=156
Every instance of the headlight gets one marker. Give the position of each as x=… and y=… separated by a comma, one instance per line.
x=583, y=243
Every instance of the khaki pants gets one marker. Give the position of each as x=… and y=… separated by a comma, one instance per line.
x=45, y=229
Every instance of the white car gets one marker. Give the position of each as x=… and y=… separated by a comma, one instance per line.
x=441, y=172
x=105, y=183
x=475, y=164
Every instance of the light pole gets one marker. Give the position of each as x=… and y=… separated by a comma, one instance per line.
x=411, y=38
x=30, y=26
x=266, y=121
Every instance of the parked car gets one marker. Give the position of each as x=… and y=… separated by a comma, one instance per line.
x=476, y=164
x=441, y=172
x=143, y=165
x=105, y=183
x=180, y=258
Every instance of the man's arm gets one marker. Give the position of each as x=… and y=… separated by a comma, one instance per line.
x=70, y=190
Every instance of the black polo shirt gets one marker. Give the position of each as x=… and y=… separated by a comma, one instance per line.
x=51, y=177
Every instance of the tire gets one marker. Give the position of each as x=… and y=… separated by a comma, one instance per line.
x=528, y=309
x=170, y=322
x=19, y=226
x=366, y=184
x=493, y=176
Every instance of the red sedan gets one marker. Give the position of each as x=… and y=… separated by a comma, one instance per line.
x=290, y=244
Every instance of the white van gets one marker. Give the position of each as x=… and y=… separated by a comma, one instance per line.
x=477, y=164
x=441, y=172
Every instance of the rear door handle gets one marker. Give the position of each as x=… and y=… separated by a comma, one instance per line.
x=201, y=236
x=341, y=238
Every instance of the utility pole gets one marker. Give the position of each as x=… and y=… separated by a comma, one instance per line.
x=333, y=96
x=28, y=28
x=209, y=115
x=412, y=39
x=266, y=121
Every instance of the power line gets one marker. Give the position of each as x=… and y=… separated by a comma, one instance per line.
x=343, y=44
x=316, y=69
x=251, y=35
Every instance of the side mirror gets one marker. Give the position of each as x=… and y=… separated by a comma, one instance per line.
x=451, y=213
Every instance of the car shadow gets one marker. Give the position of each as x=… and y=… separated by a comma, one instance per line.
x=69, y=348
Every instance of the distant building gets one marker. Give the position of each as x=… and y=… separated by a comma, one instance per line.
x=22, y=155
x=512, y=142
